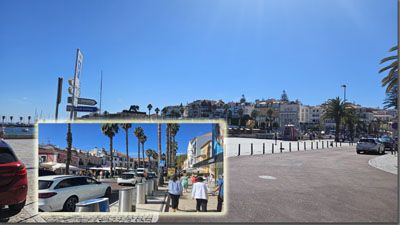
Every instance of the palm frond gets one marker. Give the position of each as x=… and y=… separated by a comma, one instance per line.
x=388, y=58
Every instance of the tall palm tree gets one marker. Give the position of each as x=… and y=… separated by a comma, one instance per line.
x=69, y=145
x=226, y=108
x=240, y=112
x=11, y=118
x=164, y=111
x=167, y=147
x=143, y=139
x=391, y=79
x=20, y=119
x=126, y=126
x=149, y=106
x=3, y=117
x=159, y=149
x=109, y=130
x=335, y=111
x=254, y=116
x=157, y=111
x=149, y=153
x=351, y=119
x=29, y=120
x=174, y=131
x=269, y=115
x=138, y=133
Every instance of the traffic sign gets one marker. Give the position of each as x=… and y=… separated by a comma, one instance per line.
x=161, y=163
x=395, y=125
x=83, y=101
x=82, y=108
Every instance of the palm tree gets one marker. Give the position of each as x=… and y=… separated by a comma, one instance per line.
x=157, y=111
x=168, y=140
x=391, y=79
x=240, y=112
x=69, y=145
x=143, y=139
x=164, y=111
x=181, y=110
x=3, y=117
x=20, y=119
x=138, y=133
x=29, y=120
x=351, y=119
x=11, y=118
x=159, y=148
x=174, y=131
x=126, y=126
x=109, y=130
x=254, y=115
x=149, y=106
x=335, y=111
x=149, y=153
x=226, y=108
x=269, y=115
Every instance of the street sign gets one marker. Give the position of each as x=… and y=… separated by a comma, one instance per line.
x=77, y=78
x=395, y=125
x=83, y=101
x=82, y=108
x=161, y=163
x=171, y=171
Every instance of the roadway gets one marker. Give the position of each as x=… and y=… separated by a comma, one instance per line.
x=318, y=186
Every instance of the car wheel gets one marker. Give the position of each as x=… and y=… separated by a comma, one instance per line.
x=70, y=204
x=108, y=193
x=358, y=152
x=17, y=207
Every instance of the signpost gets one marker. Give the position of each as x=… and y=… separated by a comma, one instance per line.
x=161, y=163
x=76, y=89
x=83, y=101
x=82, y=109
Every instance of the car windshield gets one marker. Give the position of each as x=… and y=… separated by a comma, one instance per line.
x=385, y=139
x=44, y=184
x=368, y=141
x=6, y=156
x=127, y=176
x=140, y=175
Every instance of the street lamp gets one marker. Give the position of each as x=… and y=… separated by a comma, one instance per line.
x=344, y=86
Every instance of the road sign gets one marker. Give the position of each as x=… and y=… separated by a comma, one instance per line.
x=161, y=163
x=82, y=108
x=171, y=171
x=395, y=125
x=83, y=101
x=77, y=78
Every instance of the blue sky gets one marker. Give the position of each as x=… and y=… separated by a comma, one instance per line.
x=86, y=136
x=178, y=51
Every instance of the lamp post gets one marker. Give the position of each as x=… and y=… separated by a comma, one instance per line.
x=344, y=86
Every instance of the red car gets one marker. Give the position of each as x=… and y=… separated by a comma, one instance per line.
x=13, y=180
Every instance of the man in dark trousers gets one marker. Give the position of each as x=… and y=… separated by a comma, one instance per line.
x=220, y=187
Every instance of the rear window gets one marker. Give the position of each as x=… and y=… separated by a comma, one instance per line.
x=44, y=184
x=127, y=176
x=6, y=156
x=367, y=141
x=140, y=175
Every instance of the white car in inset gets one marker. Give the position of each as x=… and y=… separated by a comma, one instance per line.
x=128, y=178
x=62, y=192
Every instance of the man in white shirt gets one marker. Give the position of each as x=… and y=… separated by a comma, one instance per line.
x=200, y=193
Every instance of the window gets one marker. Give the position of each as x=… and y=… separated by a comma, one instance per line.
x=66, y=183
x=44, y=184
x=6, y=156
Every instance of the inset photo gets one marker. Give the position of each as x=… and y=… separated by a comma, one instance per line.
x=172, y=168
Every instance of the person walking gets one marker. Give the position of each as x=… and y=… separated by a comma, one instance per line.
x=220, y=188
x=200, y=193
x=184, y=181
x=175, y=190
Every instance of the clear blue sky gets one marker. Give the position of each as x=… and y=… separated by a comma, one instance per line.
x=177, y=51
x=87, y=136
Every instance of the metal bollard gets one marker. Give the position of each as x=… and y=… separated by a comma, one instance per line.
x=141, y=193
x=311, y=145
x=281, y=147
x=290, y=146
x=263, y=148
x=126, y=199
x=155, y=184
x=340, y=144
x=239, y=150
x=149, y=187
x=305, y=146
x=317, y=144
x=272, y=148
x=298, y=146
x=93, y=205
x=251, y=148
x=336, y=143
x=322, y=145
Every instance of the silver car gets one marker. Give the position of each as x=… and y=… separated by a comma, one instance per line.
x=370, y=145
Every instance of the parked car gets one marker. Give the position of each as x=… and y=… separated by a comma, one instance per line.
x=62, y=192
x=140, y=177
x=387, y=142
x=13, y=179
x=127, y=178
x=370, y=145
x=152, y=175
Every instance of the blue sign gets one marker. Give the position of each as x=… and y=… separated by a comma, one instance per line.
x=162, y=163
x=83, y=108
x=394, y=125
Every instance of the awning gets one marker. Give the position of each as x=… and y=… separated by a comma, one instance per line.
x=214, y=159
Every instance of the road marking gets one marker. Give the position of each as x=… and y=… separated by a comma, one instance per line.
x=267, y=177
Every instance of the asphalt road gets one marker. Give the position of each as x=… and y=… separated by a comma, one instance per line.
x=330, y=185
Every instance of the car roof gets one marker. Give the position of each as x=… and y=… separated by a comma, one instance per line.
x=4, y=144
x=58, y=177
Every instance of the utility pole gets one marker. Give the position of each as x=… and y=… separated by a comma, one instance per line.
x=344, y=86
